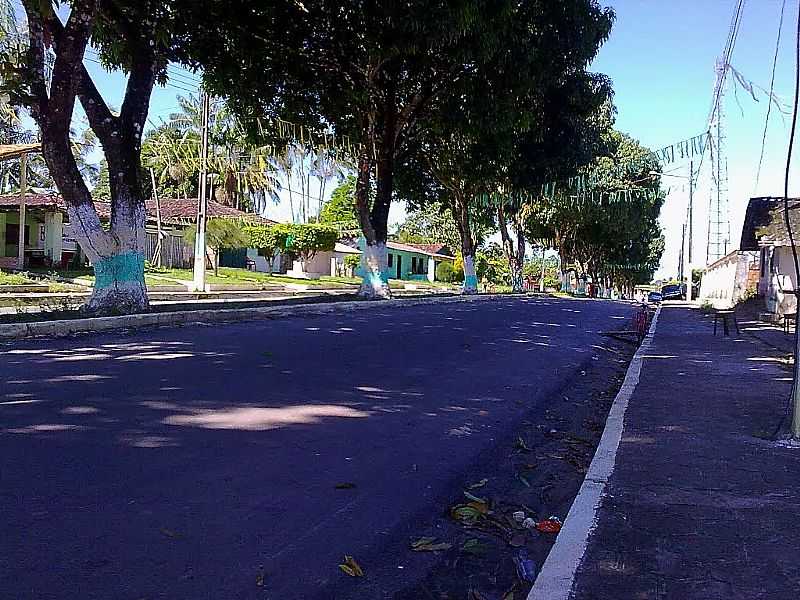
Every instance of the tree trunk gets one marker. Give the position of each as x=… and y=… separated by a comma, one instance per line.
x=375, y=220
x=512, y=251
x=461, y=214
x=374, y=262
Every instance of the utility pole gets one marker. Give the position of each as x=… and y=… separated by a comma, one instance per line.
x=202, y=205
x=23, y=189
x=541, y=280
x=687, y=255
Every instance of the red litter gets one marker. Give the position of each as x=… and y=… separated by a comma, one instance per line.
x=551, y=525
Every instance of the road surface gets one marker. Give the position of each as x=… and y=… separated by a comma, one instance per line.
x=203, y=461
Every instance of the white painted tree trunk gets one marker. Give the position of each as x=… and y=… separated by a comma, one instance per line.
x=117, y=257
x=565, y=282
x=375, y=283
x=470, y=277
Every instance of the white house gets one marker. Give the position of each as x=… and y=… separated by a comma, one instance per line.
x=764, y=231
x=729, y=279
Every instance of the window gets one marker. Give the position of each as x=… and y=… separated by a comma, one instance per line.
x=12, y=234
x=391, y=259
x=413, y=264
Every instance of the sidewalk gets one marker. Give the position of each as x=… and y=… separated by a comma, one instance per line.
x=701, y=504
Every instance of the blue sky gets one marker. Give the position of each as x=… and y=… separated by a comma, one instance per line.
x=661, y=57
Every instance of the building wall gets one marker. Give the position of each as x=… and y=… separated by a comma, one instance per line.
x=34, y=221
x=726, y=282
x=778, y=280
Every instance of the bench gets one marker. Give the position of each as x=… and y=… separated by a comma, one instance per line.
x=725, y=315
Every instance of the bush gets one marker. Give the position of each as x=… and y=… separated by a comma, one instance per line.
x=352, y=261
x=445, y=272
x=305, y=240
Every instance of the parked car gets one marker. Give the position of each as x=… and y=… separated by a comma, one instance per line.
x=654, y=297
x=672, y=292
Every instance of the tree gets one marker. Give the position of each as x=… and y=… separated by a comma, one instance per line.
x=368, y=73
x=269, y=240
x=610, y=230
x=501, y=105
x=137, y=37
x=220, y=234
x=244, y=173
x=340, y=210
x=431, y=224
x=305, y=240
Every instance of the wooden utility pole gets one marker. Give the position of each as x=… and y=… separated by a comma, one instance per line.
x=688, y=252
x=541, y=280
x=202, y=205
x=23, y=190
x=158, y=251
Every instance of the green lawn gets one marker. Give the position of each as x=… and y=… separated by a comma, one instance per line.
x=14, y=279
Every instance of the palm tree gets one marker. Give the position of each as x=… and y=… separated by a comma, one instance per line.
x=245, y=173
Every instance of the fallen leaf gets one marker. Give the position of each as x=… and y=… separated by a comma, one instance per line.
x=260, y=579
x=521, y=445
x=466, y=513
x=427, y=544
x=347, y=485
x=523, y=480
x=351, y=567
x=473, y=594
x=479, y=484
x=474, y=498
x=474, y=546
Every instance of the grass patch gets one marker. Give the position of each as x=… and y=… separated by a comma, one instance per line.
x=14, y=279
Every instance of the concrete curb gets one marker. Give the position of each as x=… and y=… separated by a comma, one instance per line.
x=14, y=331
x=557, y=576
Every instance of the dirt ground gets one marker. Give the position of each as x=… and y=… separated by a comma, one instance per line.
x=539, y=473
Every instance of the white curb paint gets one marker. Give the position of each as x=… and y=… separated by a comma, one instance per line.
x=557, y=576
x=67, y=327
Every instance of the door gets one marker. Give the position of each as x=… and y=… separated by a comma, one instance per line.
x=399, y=267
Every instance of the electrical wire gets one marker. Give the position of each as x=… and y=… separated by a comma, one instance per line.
x=786, y=219
x=769, y=99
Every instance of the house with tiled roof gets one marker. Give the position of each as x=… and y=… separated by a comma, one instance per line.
x=412, y=261
x=764, y=231
x=49, y=239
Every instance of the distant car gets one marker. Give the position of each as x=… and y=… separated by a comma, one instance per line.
x=672, y=292
x=654, y=297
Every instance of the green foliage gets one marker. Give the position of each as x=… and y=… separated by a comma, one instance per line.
x=341, y=210
x=220, y=233
x=244, y=173
x=102, y=189
x=458, y=267
x=603, y=237
x=305, y=240
x=352, y=260
x=431, y=224
x=491, y=265
x=446, y=273
x=267, y=239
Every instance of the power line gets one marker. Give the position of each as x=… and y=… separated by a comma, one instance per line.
x=769, y=99
x=787, y=220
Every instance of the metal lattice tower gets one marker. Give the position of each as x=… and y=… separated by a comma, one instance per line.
x=719, y=225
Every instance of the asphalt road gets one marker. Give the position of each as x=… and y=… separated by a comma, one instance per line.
x=203, y=461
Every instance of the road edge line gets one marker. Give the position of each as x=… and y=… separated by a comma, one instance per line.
x=557, y=576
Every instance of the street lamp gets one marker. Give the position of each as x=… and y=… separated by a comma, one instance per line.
x=687, y=253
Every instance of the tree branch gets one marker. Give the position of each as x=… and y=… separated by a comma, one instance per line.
x=101, y=119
